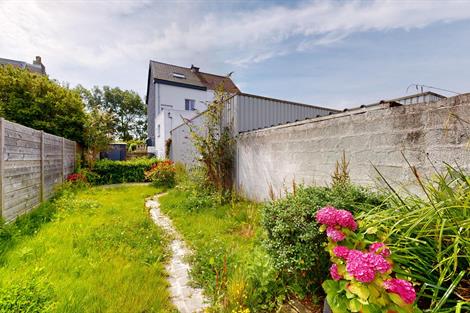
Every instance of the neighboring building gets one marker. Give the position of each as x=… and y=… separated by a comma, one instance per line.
x=35, y=67
x=244, y=113
x=174, y=93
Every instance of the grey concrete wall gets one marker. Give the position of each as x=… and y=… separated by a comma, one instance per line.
x=427, y=134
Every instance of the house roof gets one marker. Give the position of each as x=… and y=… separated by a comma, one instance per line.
x=166, y=72
x=189, y=76
x=36, y=68
x=212, y=82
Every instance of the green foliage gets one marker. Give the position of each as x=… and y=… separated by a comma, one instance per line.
x=36, y=101
x=115, y=172
x=132, y=144
x=98, y=133
x=28, y=224
x=127, y=109
x=214, y=143
x=98, y=246
x=430, y=234
x=229, y=259
x=293, y=238
x=29, y=297
x=162, y=174
x=351, y=288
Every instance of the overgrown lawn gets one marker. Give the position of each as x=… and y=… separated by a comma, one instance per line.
x=229, y=260
x=95, y=251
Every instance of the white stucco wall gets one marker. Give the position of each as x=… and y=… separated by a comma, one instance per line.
x=175, y=96
x=171, y=100
x=168, y=119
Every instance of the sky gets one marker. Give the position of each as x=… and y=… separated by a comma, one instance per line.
x=330, y=53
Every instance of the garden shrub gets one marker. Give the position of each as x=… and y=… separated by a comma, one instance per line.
x=362, y=276
x=116, y=172
x=162, y=174
x=430, y=235
x=293, y=239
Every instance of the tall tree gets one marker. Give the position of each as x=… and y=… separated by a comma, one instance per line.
x=36, y=101
x=98, y=133
x=126, y=107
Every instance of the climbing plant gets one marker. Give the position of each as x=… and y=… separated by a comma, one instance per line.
x=214, y=141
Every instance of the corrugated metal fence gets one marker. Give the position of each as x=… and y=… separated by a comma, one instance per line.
x=245, y=112
x=33, y=163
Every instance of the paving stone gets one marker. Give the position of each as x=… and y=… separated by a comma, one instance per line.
x=185, y=298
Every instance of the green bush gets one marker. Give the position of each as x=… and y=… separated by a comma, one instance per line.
x=116, y=172
x=162, y=174
x=429, y=235
x=293, y=238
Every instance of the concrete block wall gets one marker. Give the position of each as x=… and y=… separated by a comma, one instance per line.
x=428, y=134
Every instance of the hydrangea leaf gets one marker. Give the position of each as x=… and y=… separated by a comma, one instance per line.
x=397, y=300
x=354, y=305
x=360, y=290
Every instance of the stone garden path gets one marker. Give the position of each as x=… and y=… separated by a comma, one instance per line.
x=185, y=298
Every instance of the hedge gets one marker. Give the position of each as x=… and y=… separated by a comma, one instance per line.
x=115, y=172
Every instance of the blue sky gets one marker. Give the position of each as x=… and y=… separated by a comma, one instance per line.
x=332, y=53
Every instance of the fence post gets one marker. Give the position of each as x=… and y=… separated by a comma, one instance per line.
x=74, y=156
x=42, y=166
x=2, y=171
x=63, y=159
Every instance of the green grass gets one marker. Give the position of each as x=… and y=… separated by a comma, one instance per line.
x=93, y=251
x=229, y=261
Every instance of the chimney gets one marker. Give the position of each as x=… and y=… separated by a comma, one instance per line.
x=38, y=61
x=194, y=69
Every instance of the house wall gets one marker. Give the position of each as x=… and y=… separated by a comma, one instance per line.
x=151, y=112
x=168, y=119
x=174, y=96
x=182, y=147
x=427, y=134
x=166, y=98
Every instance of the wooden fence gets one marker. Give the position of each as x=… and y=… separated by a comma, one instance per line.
x=33, y=163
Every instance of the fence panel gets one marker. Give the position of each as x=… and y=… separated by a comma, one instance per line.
x=32, y=164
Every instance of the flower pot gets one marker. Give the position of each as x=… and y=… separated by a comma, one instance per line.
x=326, y=307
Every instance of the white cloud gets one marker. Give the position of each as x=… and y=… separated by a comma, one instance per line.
x=110, y=42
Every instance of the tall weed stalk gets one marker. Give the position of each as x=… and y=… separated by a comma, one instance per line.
x=430, y=237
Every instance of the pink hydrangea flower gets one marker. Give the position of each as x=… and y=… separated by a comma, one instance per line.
x=401, y=287
x=380, y=248
x=327, y=216
x=341, y=252
x=346, y=219
x=358, y=267
x=335, y=234
x=334, y=272
x=331, y=216
x=378, y=262
x=364, y=265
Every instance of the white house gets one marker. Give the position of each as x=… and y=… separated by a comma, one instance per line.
x=174, y=93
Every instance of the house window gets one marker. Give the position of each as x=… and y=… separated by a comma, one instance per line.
x=189, y=105
x=158, y=130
